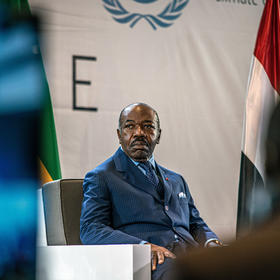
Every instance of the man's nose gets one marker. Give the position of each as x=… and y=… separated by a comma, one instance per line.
x=139, y=130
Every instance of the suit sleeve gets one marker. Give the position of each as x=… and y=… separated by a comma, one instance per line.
x=198, y=228
x=96, y=222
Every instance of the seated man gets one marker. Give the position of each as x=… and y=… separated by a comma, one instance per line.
x=130, y=199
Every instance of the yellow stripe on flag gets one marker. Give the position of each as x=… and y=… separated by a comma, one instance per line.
x=45, y=176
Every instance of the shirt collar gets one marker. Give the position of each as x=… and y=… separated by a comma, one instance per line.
x=151, y=160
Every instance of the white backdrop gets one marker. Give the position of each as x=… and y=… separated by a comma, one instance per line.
x=194, y=73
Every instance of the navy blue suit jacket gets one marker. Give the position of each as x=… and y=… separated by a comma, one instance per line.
x=121, y=206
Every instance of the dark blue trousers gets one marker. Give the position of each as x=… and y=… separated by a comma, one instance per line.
x=165, y=271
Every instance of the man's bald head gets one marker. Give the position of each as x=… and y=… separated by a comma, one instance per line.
x=139, y=131
x=129, y=107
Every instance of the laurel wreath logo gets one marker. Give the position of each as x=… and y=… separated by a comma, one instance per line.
x=171, y=12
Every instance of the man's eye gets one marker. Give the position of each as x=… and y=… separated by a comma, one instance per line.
x=129, y=126
x=150, y=126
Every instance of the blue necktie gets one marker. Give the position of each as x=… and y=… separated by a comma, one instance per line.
x=152, y=176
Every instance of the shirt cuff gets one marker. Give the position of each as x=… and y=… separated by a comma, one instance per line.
x=210, y=240
x=143, y=242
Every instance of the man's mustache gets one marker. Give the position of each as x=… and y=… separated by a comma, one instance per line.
x=139, y=139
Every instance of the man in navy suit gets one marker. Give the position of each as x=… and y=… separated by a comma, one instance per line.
x=130, y=199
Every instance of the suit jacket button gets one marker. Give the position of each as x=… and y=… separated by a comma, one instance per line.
x=166, y=208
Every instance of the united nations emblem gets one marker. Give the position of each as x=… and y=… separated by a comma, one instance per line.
x=164, y=18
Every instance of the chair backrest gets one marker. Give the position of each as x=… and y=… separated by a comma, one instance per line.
x=62, y=207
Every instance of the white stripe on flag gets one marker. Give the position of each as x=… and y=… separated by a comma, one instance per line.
x=261, y=100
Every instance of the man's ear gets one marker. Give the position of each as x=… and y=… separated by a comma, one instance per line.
x=119, y=135
x=159, y=134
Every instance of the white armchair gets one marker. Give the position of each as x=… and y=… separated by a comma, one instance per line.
x=61, y=203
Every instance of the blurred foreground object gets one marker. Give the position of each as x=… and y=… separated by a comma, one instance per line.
x=251, y=258
x=21, y=100
x=48, y=150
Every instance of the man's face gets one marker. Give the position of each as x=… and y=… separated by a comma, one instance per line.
x=139, y=132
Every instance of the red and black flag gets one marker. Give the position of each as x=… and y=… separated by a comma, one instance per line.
x=262, y=96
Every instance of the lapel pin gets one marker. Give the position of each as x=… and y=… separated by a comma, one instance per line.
x=166, y=178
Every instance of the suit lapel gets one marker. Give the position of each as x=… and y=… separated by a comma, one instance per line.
x=167, y=186
x=133, y=175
